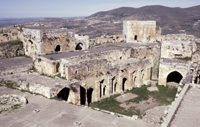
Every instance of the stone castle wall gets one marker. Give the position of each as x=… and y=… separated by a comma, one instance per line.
x=11, y=49
x=43, y=40
x=8, y=34
x=177, y=49
x=139, y=31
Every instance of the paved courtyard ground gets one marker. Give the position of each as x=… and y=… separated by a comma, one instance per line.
x=53, y=113
x=188, y=113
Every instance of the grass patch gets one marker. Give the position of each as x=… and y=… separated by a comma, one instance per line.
x=185, y=58
x=15, y=42
x=8, y=84
x=15, y=106
x=164, y=96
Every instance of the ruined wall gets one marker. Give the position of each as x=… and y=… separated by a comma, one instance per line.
x=180, y=37
x=46, y=66
x=112, y=55
x=82, y=42
x=106, y=78
x=156, y=62
x=139, y=31
x=8, y=34
x=31, y=41
x=106, y=39
x=196, y=56
x=11, y=49
x=168, y=66
x=177, y=49
x=46, y=40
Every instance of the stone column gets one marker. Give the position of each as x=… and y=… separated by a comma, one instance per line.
x=119, y=82
x=110, y=86
x=130, y=81
x=197, y=79
x=138, y=79
x=97, y=91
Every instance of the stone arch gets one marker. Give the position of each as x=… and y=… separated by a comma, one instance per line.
x=89, y=95
x=58, y=48
x=174, y=76
x=79, y=46
x=64, y=94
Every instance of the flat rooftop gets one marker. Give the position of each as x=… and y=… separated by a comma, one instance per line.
x=17, y=61
x=60, y=55
x=99, y=49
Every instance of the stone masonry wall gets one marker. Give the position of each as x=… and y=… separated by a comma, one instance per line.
x=11, y=49
x=139, y=31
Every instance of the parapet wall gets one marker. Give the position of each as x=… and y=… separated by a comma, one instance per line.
x=177, y=49
x=8, y=34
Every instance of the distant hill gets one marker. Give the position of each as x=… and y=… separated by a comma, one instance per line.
x=10, y=21
x=170, y=19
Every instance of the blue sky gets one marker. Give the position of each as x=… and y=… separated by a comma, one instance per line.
x=73, y=8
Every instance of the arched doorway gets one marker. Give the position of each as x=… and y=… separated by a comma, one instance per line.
x=82, y=95
x=135, y=38
x=57, y=49
x=89, y=95
x=174, y=77
x=79, y=46
x=64, y=94
x=124, y=83
x=101, y=85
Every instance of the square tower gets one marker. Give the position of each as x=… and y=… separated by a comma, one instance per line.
x=139, y=31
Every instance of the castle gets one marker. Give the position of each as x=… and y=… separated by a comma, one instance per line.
x=83, y=70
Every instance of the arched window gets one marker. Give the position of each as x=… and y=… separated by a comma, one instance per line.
x=79, y=46
x=135, y=38
x=57, y=49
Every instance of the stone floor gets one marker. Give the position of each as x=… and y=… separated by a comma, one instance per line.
x=54, y=113
x=188, y=113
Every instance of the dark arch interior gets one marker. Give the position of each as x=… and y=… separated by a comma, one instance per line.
x=57, y=67
x=104, y=90
x=64, y=94
x=89, y=95
x=135, y=37
x=57, y=49
x=174, y=77
x=79, y=46
x=123, y=83
x=82, y=94
x=101, y=83
x=30, y=41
